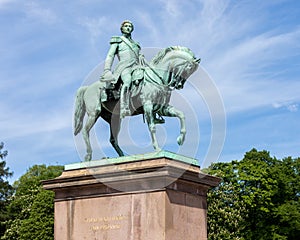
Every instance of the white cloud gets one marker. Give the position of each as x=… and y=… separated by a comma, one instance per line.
x=20, y=123
x=172, y=7
x=293, y=107
x=247, y=69
x=150, y=26
x=94, y=26
x=4, y=3
x=259, y=50
x=290, y=106
x=36, y=11
x=213, y=12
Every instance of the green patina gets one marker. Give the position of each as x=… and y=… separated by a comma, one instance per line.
x=133, y=158
x=134, y=87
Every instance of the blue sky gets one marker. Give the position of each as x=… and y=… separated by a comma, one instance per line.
x=250, y=49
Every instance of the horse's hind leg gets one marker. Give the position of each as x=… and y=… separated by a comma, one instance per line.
x=86, y=136
x=114, y=124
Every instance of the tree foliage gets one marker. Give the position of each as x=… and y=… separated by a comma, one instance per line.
x=257, y=199
x=226, y=209
x=5, y=188
x=40, y=223
x=31, y=209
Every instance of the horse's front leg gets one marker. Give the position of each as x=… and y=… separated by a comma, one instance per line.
x=148, y=110
x=170, y=111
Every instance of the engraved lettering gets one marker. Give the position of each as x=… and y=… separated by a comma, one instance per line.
x=108, y=222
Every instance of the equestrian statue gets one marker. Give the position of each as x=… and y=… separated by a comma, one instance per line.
x=134, y=87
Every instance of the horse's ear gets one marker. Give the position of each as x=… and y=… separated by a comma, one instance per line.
x=198, y=60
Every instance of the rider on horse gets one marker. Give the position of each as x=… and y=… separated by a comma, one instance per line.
x=128, y=68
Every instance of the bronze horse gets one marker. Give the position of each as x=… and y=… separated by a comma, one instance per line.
x=167, y=71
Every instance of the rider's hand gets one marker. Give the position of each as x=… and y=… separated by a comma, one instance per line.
x=107, y=76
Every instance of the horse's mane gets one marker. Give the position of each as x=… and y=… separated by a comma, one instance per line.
x=161, y=54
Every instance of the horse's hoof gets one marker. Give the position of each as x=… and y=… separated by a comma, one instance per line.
x=88, y=157
x=159, y=121
x=180, y=140
x=157, y=149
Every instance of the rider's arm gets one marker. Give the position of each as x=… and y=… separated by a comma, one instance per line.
x=110, y=57
x=114, y=43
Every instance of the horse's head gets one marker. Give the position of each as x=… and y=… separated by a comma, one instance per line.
x=181, y=69
x=179, y=62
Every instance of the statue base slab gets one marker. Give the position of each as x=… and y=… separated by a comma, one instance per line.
x=156, y=196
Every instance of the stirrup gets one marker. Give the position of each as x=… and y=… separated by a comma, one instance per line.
x=159, y=120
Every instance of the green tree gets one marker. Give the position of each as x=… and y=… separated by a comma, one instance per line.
x=226, y=208
x=40, y=223
x=258, y=186
x=286, y=199
x=5, y=189
x=261, y=192
x=271, y=192
x=32, y=206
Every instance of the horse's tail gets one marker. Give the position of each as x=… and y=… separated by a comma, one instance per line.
x=79, y=110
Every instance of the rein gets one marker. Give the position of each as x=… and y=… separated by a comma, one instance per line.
x=125, y=40
x=152, y=81
x=168, y=86
x=149, y=79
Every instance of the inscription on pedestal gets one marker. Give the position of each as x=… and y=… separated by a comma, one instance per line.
x=105, y=223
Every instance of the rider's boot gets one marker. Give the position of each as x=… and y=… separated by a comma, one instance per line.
x=124, y=106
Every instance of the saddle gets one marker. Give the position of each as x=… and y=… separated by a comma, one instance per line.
x=112, y=91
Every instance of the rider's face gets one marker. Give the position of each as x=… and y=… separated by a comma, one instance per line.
x=127, y=28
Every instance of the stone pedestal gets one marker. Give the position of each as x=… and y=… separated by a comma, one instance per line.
x=157, y=196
